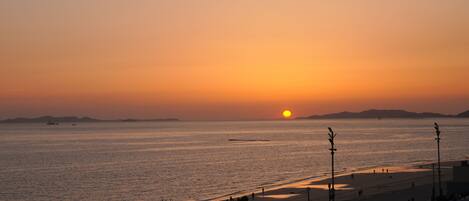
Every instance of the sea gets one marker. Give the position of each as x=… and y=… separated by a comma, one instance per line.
x=203, y=160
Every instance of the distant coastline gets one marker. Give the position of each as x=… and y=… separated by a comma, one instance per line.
x=385, y=114
x=74, y=119
x=367, y=114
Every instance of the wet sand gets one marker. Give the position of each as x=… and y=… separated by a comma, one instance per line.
x=386, y=184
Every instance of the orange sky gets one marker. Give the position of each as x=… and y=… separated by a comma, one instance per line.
x=223, y=59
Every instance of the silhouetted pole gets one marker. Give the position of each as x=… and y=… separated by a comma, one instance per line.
x=433, y=181
x=437, y=129
x=332, y=149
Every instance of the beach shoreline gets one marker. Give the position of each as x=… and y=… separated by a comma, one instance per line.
x=284, y=191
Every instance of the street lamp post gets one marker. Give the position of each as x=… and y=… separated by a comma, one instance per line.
x=437, y=130
x=433, y=182
x=333, y=150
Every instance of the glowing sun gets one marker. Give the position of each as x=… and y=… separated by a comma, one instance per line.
x=287, y=114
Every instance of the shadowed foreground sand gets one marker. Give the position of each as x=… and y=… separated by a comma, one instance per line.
x=401, y=183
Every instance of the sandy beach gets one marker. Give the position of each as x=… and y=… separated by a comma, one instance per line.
x=387, y=183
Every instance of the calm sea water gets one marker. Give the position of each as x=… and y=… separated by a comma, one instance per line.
x=196, y=160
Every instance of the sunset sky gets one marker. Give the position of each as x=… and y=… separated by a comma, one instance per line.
x=231, y=59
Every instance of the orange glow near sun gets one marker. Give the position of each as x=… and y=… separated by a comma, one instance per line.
x=287, y=114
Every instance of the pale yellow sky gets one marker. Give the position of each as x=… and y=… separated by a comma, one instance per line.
x=231, y=59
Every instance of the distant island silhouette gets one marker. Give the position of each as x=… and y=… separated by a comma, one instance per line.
x=367, y=114
x=379, y=114
x=464, y=114
x=73, y=119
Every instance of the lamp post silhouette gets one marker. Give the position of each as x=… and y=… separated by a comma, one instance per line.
x=437, y=130
x=333, y=150
x=433, y=182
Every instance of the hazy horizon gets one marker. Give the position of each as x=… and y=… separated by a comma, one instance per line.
x=231, y=60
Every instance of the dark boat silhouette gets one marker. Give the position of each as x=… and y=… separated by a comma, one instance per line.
x=51, y=123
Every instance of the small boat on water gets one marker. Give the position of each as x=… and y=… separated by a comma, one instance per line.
x=51, y=123
x=247, y=140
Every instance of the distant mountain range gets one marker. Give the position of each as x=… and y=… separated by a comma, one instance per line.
x=72, y=119
x=368, y=114
x=378, y=114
